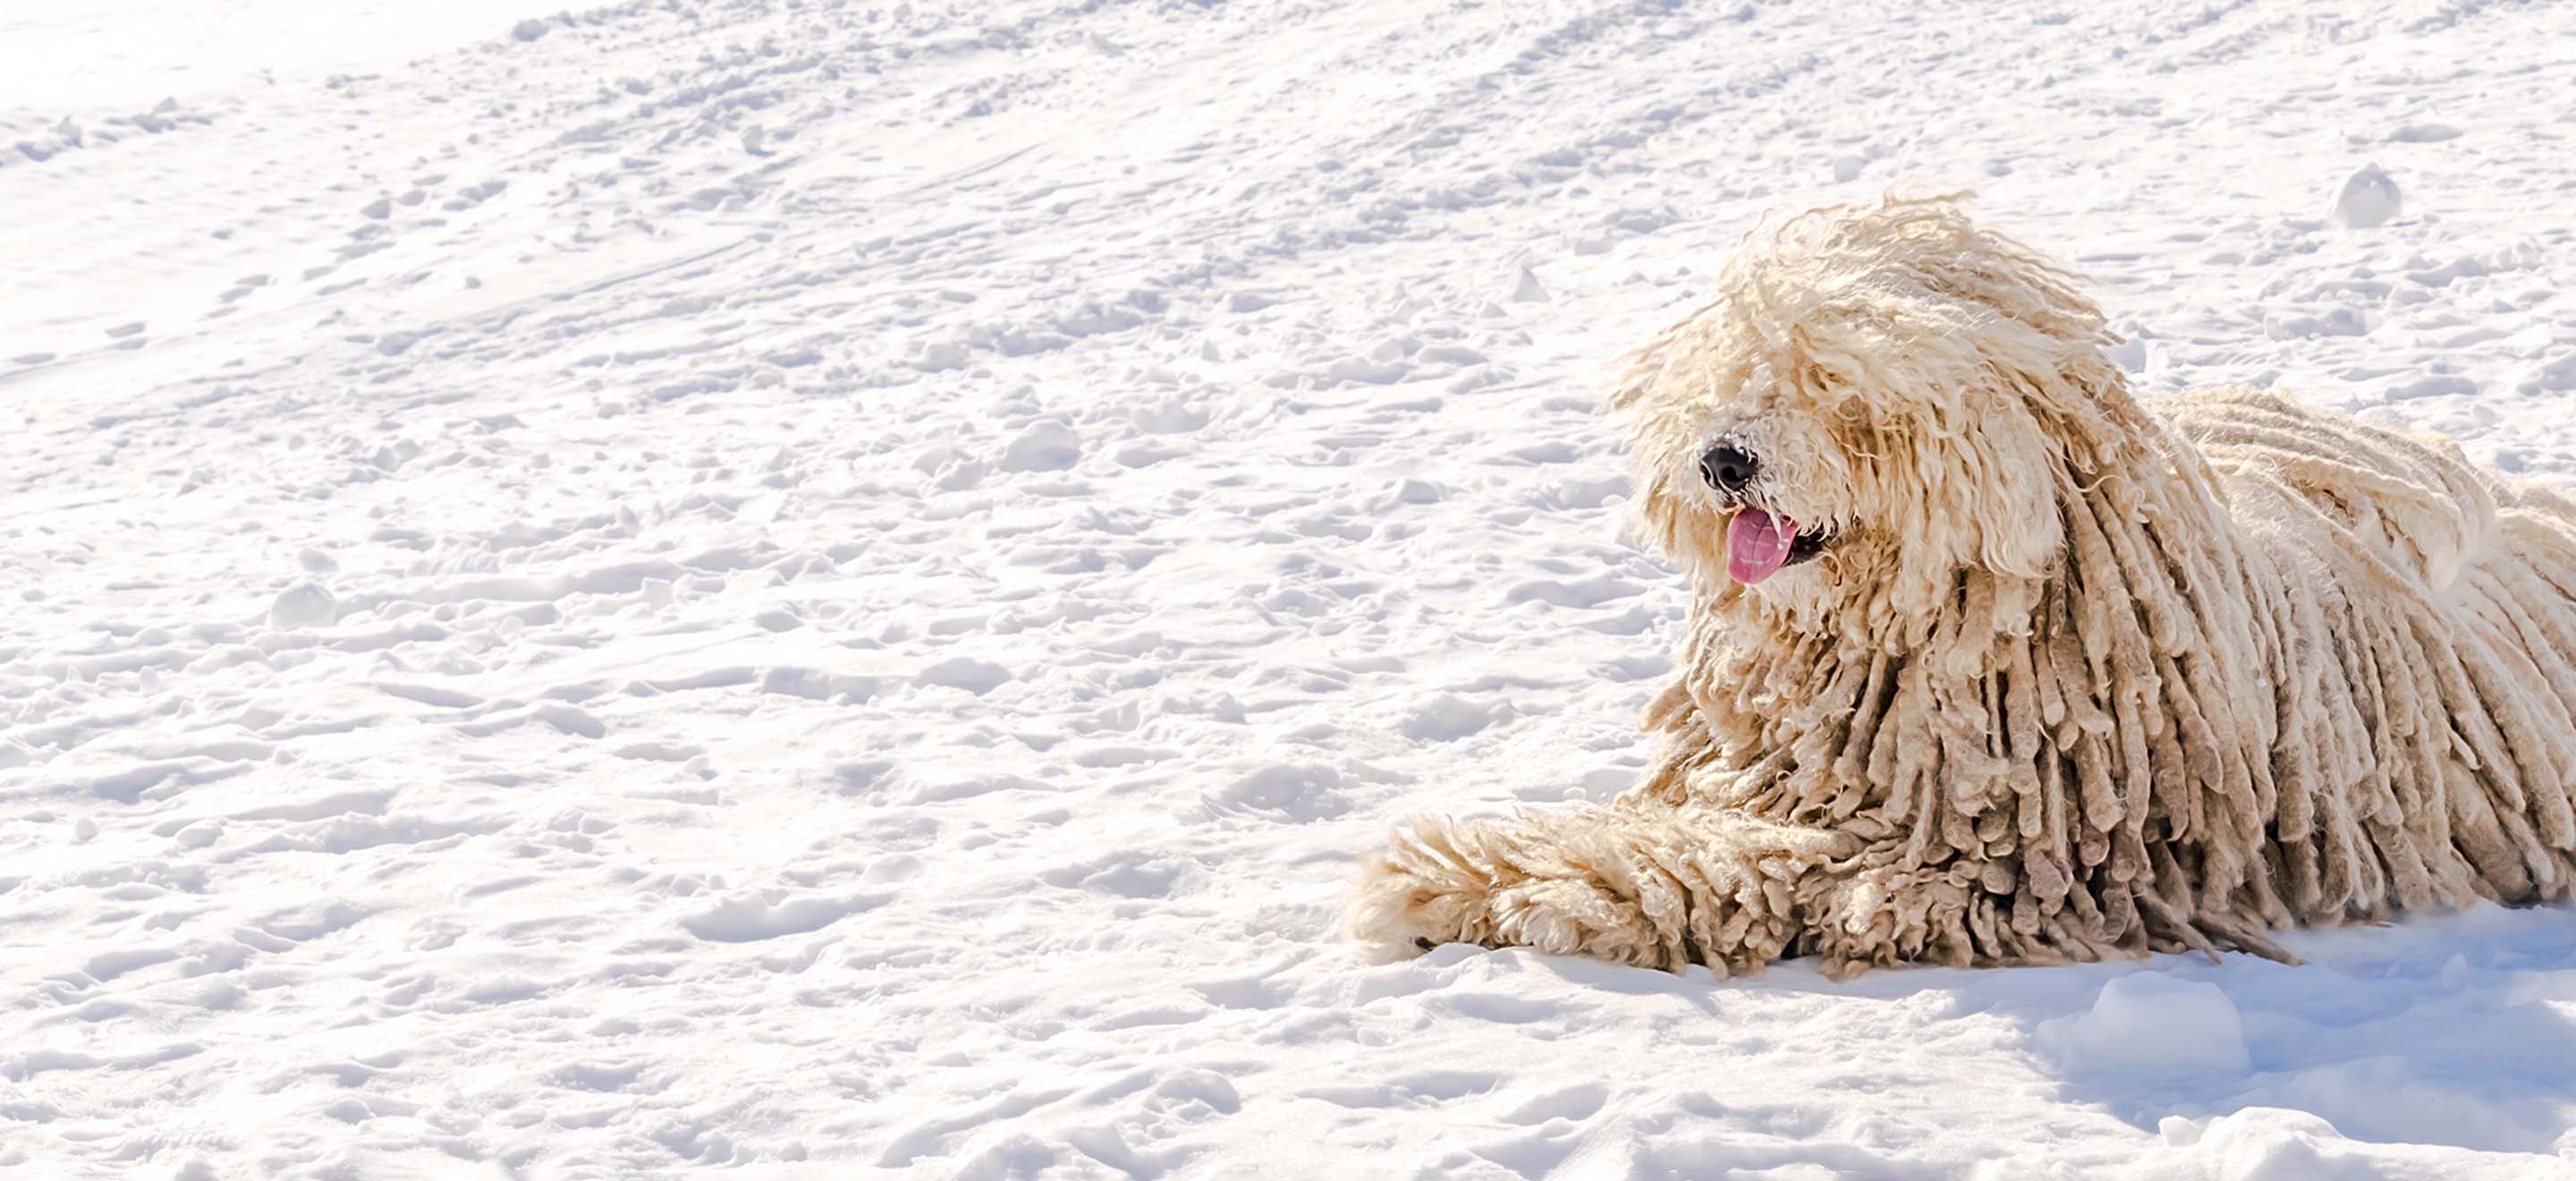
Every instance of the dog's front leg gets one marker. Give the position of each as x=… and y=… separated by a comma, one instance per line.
x=1646, y=885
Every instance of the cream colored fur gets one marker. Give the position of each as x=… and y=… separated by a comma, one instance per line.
x=2078, y=677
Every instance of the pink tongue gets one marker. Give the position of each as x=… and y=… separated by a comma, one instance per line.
x=1757, y=544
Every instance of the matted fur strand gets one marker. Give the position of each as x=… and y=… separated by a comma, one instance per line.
x=2274, y=667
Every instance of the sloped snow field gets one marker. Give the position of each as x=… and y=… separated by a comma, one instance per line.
x=833, y=588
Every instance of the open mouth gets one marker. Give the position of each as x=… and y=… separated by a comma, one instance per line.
x=1760, y=543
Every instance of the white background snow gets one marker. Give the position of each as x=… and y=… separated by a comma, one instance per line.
x=833, y=588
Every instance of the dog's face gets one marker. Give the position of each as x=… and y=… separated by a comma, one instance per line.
x=1874, y=404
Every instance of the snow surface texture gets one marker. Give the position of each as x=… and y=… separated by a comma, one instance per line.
x=748, y=583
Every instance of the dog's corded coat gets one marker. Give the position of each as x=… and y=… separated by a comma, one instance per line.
x=2077, y=677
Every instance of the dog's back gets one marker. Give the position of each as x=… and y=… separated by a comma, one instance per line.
x=2411, y=504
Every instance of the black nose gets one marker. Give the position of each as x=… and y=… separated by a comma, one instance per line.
x=1727, y=469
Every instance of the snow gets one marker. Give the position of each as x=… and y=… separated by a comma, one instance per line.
x=2146, y=1025
x=824, y=588
x=70, y=56
x=2370, y=196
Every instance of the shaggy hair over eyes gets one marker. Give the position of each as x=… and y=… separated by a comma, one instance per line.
x=2069, y=675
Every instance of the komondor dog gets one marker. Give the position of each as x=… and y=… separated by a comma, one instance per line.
x=1989, y=662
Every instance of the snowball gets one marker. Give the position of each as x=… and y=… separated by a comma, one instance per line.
x=2148, y=1023
x=305, y=604
x=2368, y=198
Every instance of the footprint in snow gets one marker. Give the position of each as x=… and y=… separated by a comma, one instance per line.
x=1296, y=793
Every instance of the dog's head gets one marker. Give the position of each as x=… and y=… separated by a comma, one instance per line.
x=1880, y=397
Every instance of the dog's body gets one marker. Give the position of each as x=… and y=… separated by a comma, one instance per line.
x=1990, y=663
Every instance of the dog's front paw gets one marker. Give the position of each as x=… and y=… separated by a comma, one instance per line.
x=1576, y=916
x=1476, y=882
x=1419, y=893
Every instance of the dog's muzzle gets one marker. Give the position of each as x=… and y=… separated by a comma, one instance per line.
x=1728, y=469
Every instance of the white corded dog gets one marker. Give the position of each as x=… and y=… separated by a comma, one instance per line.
x=1989, y=662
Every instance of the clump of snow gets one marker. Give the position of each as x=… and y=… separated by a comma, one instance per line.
x=2368, y=198
x=1448, y=718
x=965, y=672
x=2424, y=133
x=2151, y=1024
x=2286, y=1144
x=1046, y=446
x=755, y=916
x=305, y=604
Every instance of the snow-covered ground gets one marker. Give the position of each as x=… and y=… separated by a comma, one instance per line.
x=834, y=587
